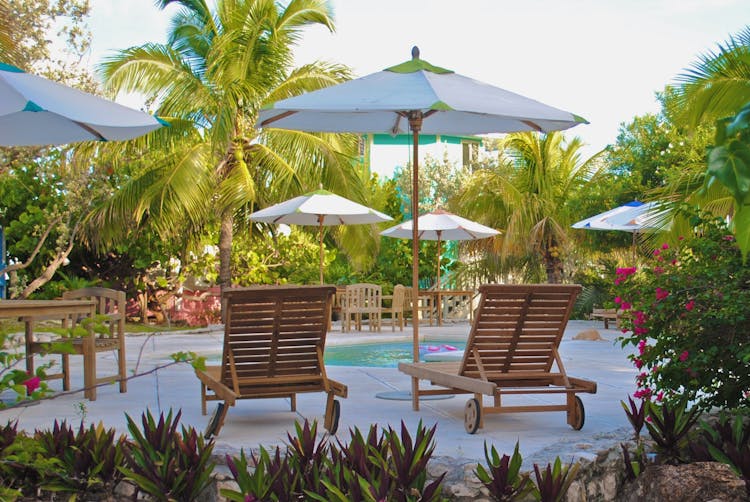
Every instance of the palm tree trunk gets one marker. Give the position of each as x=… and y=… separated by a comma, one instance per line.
x=225, y=253
x=225, y=249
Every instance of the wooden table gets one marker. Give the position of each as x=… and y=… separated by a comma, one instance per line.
x=31, y=310
x=437, y=297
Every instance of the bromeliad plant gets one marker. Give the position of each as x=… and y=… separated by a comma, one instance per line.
x=382, y=466
x=502, y=476
x=88, y=460
x=164, y=463
x=686, y=313
x=670, y=426
x=505, y=482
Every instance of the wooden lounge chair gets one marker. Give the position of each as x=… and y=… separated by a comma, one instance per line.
x=511, y=349
x=274, y=338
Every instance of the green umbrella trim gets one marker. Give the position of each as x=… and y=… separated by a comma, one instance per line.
x=441, y=106
x=10, y=67
x=414, y=65
x=32, y=107
x=579, y=119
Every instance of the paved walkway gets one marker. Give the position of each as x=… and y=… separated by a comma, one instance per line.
x=266, y=422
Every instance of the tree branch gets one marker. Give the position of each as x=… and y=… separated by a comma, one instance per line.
x=21, y=266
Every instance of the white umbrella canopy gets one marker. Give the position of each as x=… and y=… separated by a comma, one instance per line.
x=633, y=216
x=647, y=216
x=415, y=96
x=37, y=111
x=320, y=208
x=441, y=226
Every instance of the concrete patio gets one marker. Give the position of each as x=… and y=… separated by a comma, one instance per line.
x=251, y=423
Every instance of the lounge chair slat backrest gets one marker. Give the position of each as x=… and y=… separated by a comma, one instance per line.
x=275, y=332
x=517, y=329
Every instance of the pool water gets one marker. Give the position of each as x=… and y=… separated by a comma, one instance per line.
x=383, y=355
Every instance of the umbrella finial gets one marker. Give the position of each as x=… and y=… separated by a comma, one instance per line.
x=415, y=52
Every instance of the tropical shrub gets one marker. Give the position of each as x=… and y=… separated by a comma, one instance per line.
x=686, y=313
x=384, y=466
x=86, y=461
x=164, y=463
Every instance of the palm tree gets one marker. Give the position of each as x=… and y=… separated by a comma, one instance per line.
x=7, y=46
x=526, y=195
x=717, y=85
x=714, y=91
x=216, y=71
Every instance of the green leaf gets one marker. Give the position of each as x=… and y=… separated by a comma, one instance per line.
x=730, y=164
x=742, y=229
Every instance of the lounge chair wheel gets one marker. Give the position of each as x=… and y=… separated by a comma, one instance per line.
x=214, y=423
x=335, y=415
x=472, y=415
x=579, y=416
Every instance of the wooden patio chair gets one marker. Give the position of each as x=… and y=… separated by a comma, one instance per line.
x=360, y=300
x=512, y=348
x=420, y=310
x=110, y=312
x=274, y=337
x=396, y=310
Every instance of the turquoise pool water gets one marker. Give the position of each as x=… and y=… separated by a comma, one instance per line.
x=382, y=355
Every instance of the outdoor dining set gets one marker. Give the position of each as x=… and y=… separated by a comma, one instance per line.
x=356, y=303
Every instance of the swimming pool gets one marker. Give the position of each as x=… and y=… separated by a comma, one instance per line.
x=384, y=355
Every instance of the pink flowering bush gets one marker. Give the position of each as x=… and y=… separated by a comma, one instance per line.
x=688, y=316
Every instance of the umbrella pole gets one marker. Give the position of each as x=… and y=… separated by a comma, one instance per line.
x=415, y=124
x=320, y=239
x=437, y=288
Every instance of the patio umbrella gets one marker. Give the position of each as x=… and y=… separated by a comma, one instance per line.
x=419, y=97
x=321, y=208
x=633, y=216
x=438, y=226
x=37, y=111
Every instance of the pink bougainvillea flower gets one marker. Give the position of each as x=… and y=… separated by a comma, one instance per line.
x=658, y=270
x=681, y=238
x=729, y=237
x=32, y=384
x=660, y=395
x=657, y=252
x=625, y=271
x=617, y=300
x=684, y=356
x=690, y=305
x=665, y=246
x=643, y=393
x=638, y=363
x=661, y=294
x=625, y=306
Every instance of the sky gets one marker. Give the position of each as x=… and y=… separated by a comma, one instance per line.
x=601, y=59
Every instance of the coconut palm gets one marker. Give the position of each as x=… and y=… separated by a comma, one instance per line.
x=715, y=86
x=526, y=195
x=215, y=72
x=7, y=46
x=716, y=90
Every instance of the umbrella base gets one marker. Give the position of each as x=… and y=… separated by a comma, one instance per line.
x=405, y=395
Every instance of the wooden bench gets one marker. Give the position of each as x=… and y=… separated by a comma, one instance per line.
x=606, y=315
